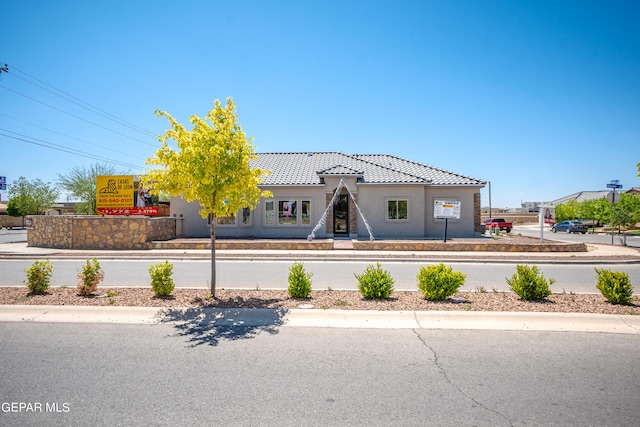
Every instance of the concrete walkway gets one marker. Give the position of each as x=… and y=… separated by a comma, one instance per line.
x=567, y=322
x=596, y=253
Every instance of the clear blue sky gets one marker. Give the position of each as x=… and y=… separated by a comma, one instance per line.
x=542, y=98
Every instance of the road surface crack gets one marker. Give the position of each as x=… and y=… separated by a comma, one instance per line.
x=436, y=362
x=628, y=324
x=32, y=319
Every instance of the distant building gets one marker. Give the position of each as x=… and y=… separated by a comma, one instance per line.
x=531, y=206
x=583, y=196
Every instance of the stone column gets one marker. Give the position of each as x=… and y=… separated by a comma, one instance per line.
x=353, y=216
x=329, y=220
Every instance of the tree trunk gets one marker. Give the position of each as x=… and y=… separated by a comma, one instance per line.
x=213, y=256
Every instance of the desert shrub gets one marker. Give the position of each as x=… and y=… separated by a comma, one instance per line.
x=161, y=278
x=39, y=276
x=529, y=283
x=438, y=282
x=375, y=282
x=614, y=286
x=299, y=281
x=90, y=276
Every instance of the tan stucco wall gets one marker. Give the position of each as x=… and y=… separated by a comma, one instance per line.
x=455, y=228
x=372, y=200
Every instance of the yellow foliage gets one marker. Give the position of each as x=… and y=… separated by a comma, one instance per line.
x=211, y=164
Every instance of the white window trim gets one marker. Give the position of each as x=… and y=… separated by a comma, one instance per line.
x=396, y=199
x=276, y=212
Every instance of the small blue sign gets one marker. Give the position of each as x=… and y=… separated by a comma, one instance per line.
x=615, y=183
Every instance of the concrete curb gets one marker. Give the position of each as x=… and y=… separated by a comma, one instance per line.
x=365, y=319
x=77, y=314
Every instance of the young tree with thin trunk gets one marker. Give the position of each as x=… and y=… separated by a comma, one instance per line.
x=211, y=166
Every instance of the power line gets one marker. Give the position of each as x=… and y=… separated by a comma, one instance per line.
x=77, y=117
x=79, y=102
x=57, y=147
x=65, y=135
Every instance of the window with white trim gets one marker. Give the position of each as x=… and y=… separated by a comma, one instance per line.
x=291, y=212
x=397, y=209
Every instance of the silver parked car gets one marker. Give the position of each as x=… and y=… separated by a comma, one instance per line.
x=569, y=227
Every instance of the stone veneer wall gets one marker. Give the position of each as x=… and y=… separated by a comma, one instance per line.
x=164, y=228
x=95, y=232
x=477, y=221
x=14, y=221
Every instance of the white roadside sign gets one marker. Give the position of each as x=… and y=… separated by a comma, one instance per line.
x=446, y=209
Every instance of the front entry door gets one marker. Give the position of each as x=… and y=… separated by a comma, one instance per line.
x=341, y=215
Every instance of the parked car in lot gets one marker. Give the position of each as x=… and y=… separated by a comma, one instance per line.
x=569, y=227
x=493, y=223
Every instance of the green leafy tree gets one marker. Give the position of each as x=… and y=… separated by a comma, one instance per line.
x=81, y=182
x=626, y=212
x=567, y=210
x=31, y=197
x=13, y=209
x=596, y=209
x=211, y=166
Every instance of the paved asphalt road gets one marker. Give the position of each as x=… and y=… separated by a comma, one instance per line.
x=194, y=374
x=533, y=230
x=272, y=274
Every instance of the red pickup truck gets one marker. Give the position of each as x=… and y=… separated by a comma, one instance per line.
x=493, y=223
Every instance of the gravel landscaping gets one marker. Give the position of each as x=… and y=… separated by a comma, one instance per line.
x=325, y=299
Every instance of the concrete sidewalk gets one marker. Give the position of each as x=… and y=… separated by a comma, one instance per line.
x=596, y=253
x=566, y=322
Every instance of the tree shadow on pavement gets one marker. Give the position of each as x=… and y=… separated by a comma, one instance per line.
x=210, y=326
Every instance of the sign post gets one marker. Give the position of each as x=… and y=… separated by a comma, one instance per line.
x=446, y=209
x=615, y=185
x=546, y=215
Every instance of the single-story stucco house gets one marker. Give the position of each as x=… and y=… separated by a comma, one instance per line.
x=383, y=195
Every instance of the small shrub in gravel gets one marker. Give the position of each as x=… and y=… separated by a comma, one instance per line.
x=614, y=286
x=90, y=276
x=530, y=284
x=375, y=282
x=439, y=282
x=161, y=278
x=39, y=276
x=299, y=281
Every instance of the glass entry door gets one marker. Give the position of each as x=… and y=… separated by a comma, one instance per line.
x=341, y=215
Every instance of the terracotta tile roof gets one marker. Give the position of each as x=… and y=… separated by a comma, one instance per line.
x=306, y=168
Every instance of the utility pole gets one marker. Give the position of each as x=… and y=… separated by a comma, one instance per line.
x=4, y=68
x=489, y=199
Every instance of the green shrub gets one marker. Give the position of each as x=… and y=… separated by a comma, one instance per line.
x=529, y=283
x=39, y=276
x=614, y=286
x=439, y=282
x=90, y=276
x=161, y=280
x=375, y=282
x=299, y=281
